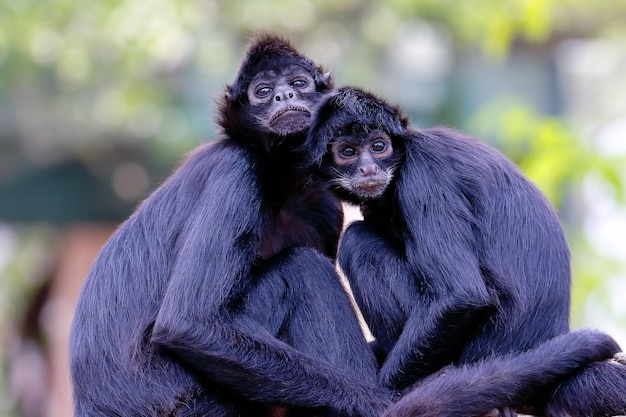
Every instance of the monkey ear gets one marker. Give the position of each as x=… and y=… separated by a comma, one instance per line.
x=326, y=77
x=228, y=94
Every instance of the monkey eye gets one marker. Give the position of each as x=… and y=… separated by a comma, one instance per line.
x=299, y=83
x=379, y=146
x=262, y=92
x=347, y=152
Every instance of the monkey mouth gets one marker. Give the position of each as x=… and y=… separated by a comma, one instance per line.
x=296, y=111
x=370, y=189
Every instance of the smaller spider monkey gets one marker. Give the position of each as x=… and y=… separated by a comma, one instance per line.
x=459, y=260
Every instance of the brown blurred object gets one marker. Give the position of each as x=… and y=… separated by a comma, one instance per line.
x=77, y=248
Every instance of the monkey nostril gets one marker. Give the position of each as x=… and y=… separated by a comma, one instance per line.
x=290, y=95
x=277, y=98
x=367, y=171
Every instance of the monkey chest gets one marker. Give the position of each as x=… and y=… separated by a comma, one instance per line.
x=310, y=218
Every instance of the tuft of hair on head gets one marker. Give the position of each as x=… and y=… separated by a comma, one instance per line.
x=269, y=51
x=365, y=108
x=351, y=109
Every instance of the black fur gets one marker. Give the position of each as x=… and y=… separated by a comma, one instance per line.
x=218, y=297
x=460, y=259
x=509, y=380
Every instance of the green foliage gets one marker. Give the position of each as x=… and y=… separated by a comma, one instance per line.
x=545, y=148
x=118, y=68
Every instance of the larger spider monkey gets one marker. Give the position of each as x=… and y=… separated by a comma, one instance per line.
x=218, y=296
x=459, y=259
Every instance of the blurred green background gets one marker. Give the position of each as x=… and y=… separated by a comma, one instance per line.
x=100, y=100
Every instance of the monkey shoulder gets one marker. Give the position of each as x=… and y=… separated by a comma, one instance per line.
x=448, y=154
x=479, y=180
x=217, y=160
x=214, y=181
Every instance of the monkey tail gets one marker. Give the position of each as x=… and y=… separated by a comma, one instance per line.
x=521, y=380
x=598, y=389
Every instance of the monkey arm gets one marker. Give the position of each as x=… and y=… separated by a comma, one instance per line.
x=200, y=321
x=245, y=357
x=416, y=328
x=431, y=338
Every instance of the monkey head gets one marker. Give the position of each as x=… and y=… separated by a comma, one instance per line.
x=274, y=95
x=356, y=138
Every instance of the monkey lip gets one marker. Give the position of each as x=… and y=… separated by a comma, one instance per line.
x=288, y=111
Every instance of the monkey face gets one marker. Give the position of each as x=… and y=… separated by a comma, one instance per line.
x=283, y=101
x=363, y=165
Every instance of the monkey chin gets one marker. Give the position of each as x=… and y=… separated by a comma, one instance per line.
x=369, y=190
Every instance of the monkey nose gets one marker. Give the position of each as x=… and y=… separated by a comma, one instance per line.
x=283, y=95
x=368, y=170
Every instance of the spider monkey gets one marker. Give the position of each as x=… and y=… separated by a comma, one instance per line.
x=459, y=260
x=218, y=296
